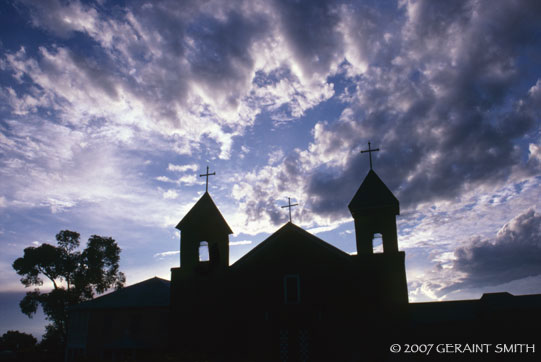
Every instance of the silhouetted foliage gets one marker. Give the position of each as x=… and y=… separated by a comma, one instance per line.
x=17, y=341
x=52, y=339
x=76, y=277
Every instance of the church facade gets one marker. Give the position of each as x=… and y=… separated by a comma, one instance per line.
x=295, y=297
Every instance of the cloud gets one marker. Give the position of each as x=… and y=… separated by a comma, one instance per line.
x=240, y=242
x=62, y=19
x=316, y=52
x=170, y=194
x=535, y=153
x=166, y=253
x=275, y=157
x=182, y=168
x=260, y=194
x=514, y=254
x=447, y=90
x=437, y=87
x=445, y=113
x=444, y=109
x=165, y=179
x=47, y=165
x=442, y=265
x=196, y=72
x=322, y=229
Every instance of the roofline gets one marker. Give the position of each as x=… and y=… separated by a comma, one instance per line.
x=179, y=227
x=299, y=231
x=81, y=305
x=77, y=307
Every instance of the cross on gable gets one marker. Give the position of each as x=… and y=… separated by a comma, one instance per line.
x=207, y=176
x=289, y=205
x=370, y=150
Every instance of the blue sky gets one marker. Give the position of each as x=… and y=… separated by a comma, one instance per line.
x=109, y=111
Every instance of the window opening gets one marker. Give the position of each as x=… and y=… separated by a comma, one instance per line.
x=377, y=243
x=292, y=290
x=204, y=251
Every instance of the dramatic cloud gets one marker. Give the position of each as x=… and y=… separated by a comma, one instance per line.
x=110, y=112
x=445, y=108
x=514, y=254
x=480, y=263
x=442, y=95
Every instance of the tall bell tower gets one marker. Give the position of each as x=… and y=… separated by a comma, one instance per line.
x=374, y=209
x=204, y=230
x=197, y=286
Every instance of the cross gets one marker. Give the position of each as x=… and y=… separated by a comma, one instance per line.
x=370, y=150
x=289, y=205
x=207, y=176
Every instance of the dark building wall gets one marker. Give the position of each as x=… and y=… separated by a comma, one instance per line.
x=292, y=293
x=109, y=334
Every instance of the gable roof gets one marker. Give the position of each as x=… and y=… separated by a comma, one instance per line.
x=373, y=194
x=295, y=232
x=153, y=292
x=204, y=214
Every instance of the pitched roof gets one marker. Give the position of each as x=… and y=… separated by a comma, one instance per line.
x=295, y=232
x=373, y=194
x=153, y=292
x=204, y=214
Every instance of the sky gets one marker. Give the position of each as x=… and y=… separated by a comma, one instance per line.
x=110, y=110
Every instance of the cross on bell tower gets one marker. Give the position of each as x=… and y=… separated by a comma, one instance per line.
x=374, y=209
x=207, y=176
x=370, y=150
x=289, y=205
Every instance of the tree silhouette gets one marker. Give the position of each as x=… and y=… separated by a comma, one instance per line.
x=17, y=341
x=76, y=276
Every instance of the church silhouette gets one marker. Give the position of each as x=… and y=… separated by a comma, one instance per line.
x=295, y=297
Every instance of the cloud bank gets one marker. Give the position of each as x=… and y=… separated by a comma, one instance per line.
x=108, y=109
x=514, y=253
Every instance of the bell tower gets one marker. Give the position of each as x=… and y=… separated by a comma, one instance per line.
x=204, y=231
x=198, y=285
x=374, y=209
